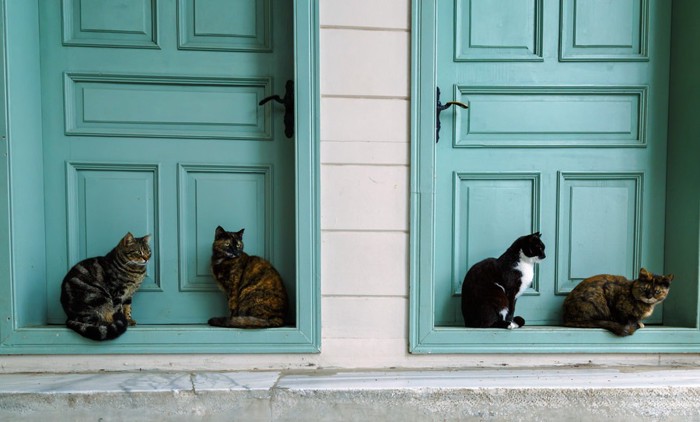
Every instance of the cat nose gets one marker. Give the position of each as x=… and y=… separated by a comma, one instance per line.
x=543, y=256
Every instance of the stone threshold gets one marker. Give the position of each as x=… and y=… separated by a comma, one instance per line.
x=643, y=393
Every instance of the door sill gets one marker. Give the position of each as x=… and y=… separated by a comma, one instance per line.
x=160, y=339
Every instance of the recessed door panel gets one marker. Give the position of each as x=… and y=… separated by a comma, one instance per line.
x=599, y=216
x=111, y=23
x=604, y=30
x=241, y=25
x=500, y=30
x=167, y=106
x=232, y=197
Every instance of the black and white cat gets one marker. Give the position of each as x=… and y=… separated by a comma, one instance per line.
x=492, y=286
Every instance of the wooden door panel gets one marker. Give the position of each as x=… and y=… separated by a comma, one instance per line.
x=243, y=25
x=599, y=217
x=551, y=116
x=498, y=30
x=167, y=106
x=233, y=197
x=117, y=23
x=489, y=211
x=105, y=202
x=604, y=30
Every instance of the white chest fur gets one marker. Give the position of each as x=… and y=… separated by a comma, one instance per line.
x=526, y=266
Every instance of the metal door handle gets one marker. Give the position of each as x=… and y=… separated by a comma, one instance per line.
x=288, y=103
x=439, y=109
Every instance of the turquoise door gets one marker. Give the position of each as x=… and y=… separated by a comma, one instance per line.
x=565, y=134
x=152, y=125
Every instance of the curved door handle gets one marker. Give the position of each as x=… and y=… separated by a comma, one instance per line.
x=439, y=107
x=288, y=103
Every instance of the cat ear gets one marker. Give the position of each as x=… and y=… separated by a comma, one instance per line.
x=127, y=239
x=537, y=234
x=666, y=280
x=240, y=232
x=644, y=274
x=146, y=238
x=219, y=231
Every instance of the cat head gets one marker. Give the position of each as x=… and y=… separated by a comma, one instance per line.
x=227, y=244
x=650, y=288
x=532, y=246
x=135, y=249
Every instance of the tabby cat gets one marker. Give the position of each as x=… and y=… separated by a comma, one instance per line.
x=96, y=293
x=254, y=289
x=492, y=286
x=614, y=302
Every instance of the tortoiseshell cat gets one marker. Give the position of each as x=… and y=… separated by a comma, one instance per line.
x=492, y=286
x=615, y=303
x=254, y=289
x=96, y=293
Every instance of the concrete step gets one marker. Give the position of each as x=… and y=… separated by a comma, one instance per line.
x=561, y=394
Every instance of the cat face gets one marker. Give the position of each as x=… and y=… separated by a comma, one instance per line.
x=228, y=244
x=135, y=249
x=532, y=246
x=650, y=288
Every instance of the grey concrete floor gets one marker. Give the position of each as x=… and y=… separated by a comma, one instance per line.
x=556, y=394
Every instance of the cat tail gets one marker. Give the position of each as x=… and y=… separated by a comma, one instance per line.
x=615, y=327
x=100, y=331
x=519, y=320
x=246, y=322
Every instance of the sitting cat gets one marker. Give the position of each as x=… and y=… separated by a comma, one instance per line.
x=96, y=293
x=492, y=286
x=254, y=289
x=615, y=303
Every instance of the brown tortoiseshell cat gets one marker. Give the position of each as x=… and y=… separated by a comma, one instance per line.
x=254, y=289
x=615, y=303
x=96, y=293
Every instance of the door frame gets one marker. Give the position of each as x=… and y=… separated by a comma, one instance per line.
x=426, y=337
x=23, y=328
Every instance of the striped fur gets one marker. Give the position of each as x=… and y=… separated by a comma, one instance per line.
x=256, y=295
x=96, y=293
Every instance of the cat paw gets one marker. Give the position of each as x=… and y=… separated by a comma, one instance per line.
x=627, y=330
x=512, y=326
x=218, y=322
x=640, y=324
x=132, y=322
